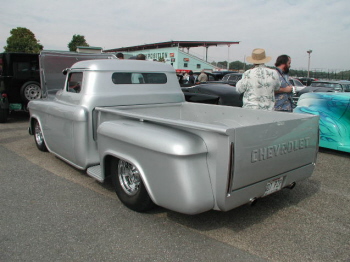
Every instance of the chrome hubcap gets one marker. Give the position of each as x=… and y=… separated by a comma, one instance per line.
x=38, y=134
x=32, y=92
x=129, y=177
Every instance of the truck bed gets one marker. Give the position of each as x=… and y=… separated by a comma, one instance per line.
x=247, y=149
x=216, y=118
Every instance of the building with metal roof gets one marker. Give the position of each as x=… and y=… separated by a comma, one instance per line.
x=175, y=53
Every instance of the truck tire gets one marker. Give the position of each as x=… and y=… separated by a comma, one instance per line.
x=129, y=187
x=38, y=137
x=4, y=112
x=30, y=91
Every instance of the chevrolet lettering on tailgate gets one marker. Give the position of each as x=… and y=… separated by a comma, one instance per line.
x=264, y=153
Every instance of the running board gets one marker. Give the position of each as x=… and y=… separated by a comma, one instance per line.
x=95, y=172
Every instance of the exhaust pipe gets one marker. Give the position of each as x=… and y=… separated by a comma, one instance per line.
x=253, y=201
x=291, y=186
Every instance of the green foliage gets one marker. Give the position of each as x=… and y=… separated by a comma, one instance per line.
x=77, y=40
x=237, y=65
x=23, y=40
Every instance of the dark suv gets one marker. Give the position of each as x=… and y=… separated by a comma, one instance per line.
x=19, y=80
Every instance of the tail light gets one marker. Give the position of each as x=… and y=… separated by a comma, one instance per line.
x=230, y=170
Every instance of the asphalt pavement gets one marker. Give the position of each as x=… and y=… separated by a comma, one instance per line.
x=51, y=211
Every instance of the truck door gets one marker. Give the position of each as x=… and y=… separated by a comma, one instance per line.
x=65, y=119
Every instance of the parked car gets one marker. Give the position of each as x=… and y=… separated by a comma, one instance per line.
x=324, y=86
x=184, y=82
x=345, y=84
x=214, y=93
x=20, y=77
x=222, y=92
x=19, y=81
x=334, y=112
x=307, y=80
x=297, y=84
x=232, y=78
x=220, y=74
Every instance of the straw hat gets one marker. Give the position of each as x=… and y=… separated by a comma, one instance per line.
x=258, y=57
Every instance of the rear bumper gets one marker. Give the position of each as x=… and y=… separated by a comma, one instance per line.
x=244, y=195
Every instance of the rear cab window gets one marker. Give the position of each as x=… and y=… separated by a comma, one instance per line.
x=139, y=78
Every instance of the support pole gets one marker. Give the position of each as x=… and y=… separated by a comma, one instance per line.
x=308, y=67
x=206, y=53
x=228, y=57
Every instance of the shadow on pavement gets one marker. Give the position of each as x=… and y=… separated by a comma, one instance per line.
x=333, y=152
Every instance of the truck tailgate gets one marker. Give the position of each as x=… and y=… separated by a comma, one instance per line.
x=267, y=150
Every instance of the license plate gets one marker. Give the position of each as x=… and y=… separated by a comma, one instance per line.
x=273, y=186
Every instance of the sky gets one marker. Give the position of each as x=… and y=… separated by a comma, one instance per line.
x=289, y=27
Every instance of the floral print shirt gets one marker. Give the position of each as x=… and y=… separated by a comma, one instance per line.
x=259, y=85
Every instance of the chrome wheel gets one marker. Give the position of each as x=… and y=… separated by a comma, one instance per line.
x=32, y=91
x=39, y=137
x=129, y=178
x=129, y=186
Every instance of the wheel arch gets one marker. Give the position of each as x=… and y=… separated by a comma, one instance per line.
x=107, y=162
x=32, y=121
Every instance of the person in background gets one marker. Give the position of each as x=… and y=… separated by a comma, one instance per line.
x=185, y=77
x=191, y=78
x=259, y=84
x=120, y=56
x=284, y=96
x=202, y=77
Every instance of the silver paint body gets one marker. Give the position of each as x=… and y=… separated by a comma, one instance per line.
x=192, y=157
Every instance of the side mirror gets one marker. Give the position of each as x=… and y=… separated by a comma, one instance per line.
x=65, y=71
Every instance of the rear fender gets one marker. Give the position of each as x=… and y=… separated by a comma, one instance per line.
x=172, y=162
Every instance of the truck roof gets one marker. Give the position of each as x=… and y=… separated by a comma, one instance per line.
x=123, y=65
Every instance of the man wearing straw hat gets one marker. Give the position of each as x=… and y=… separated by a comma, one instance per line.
x=259, y=83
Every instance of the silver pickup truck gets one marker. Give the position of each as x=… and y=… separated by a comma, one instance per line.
x=128, y=119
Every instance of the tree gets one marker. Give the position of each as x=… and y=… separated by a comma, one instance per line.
x=237, y=65
x=77, y=40
x=23, y=40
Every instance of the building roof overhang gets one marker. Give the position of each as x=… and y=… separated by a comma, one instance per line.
x=181, y=44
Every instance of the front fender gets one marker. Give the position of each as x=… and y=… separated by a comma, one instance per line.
x=172, y=162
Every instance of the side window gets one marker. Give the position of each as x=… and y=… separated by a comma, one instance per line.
x=74, y=82
x=21, y=70
x=34, y=65
x=298, y=83
x=211, y=78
